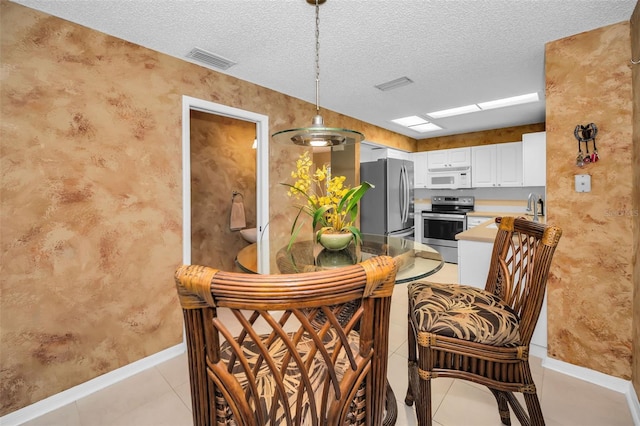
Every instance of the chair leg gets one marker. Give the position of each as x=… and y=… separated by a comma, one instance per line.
x=419, y=390
x=423, y=404
x=534, y=416
x=412, y=362
x=503, y=406
x=533, y=406
x=391, y=407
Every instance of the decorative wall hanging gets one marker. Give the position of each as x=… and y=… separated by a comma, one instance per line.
x=585, y=134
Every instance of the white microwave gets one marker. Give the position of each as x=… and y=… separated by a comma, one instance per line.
x=449, y=179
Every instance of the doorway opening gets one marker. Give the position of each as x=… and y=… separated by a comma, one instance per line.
x=246, y=121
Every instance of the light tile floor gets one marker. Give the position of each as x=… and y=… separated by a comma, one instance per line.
x=161, y=396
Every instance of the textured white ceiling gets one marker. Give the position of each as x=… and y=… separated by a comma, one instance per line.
x=457, y=52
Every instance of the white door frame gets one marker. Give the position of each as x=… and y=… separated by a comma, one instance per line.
x=262, y=172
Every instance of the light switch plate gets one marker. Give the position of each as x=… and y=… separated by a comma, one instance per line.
x=583, y=183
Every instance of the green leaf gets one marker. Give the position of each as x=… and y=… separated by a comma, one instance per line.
x=357, y=235
x=294, y=235
x=353, y=196
x=319, y=216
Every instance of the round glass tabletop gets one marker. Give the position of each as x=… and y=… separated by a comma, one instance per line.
x=415, y=260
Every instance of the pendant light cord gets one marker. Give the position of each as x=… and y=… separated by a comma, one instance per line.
x=317, y=58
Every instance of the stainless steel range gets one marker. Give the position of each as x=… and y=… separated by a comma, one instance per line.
x=446, y=218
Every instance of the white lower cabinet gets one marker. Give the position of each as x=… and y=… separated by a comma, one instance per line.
x=473, y=262
x=473, y=221
x=474, y=258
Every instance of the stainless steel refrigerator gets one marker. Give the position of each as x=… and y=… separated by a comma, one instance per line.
x=388, y=209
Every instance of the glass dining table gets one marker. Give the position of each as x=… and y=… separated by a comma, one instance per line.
x=415, y=260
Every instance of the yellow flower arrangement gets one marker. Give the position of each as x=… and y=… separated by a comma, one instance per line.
x=330, y=203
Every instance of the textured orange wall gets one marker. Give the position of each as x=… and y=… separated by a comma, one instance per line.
x=486, y=137
x=222, y=161
x=590, y=291
x=635, y=55
x=91, y=197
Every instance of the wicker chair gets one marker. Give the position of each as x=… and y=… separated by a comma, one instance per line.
x=289, y=349
x=480, y=335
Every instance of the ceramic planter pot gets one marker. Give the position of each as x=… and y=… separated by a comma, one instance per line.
x=330, y=259
x=335, y=241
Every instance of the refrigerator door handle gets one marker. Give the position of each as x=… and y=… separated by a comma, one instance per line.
x=407, y=194
x=403, y=200
x=405, y=177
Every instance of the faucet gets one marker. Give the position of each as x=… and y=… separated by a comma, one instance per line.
x=532, y=202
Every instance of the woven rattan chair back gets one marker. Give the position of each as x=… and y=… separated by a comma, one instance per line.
x=290, y=349
x=520, y=264
x=484, y=335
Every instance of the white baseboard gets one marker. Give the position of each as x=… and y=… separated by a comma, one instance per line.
x=634, y=404
x=613, y=383
x=537, y=351
x=70, y=395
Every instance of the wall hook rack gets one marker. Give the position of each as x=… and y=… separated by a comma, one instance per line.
x=585, y=134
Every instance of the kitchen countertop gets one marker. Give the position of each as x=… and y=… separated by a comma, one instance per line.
x=486, y=231
x=491, y=214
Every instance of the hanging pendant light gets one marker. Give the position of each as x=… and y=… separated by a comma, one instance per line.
x=317, y=134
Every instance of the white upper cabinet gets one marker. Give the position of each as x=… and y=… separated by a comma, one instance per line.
x=483, y=166
x=396, y=153
x=496, y=165
x=509, y=161
x=449, y=159
x=534, y=159
x=420, y=167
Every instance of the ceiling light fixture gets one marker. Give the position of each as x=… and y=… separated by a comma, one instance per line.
x=412, y=120
x=498, y=103
x=426, y=127
x=317, y=134
x=514, y=100
x=416, y=123
x=454, y=111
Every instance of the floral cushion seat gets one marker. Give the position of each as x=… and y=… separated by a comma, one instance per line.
x=463, y=312
x=280, y=353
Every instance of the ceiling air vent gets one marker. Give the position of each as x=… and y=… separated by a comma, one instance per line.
x=394, y=84
x=210, y=59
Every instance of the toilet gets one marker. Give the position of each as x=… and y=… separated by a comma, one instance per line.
x=250, y=235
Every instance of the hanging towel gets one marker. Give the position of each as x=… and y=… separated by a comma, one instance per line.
x=237, y=220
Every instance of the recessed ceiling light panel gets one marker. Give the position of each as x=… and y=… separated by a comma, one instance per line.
x=412, y=120
x=505, y=102
x=454, y=111
x=427, y=127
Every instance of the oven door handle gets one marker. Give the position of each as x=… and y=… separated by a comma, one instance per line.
x=458, y=217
